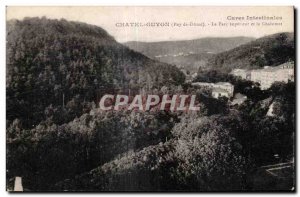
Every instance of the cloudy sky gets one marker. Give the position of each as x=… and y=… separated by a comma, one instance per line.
x=114, y=20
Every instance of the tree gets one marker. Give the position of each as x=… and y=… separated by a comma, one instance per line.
x=210, y=158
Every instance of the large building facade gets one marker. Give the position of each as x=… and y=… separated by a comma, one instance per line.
x=267, y=76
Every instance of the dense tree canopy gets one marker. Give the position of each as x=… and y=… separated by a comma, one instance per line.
x=68, y=64
x=57, y=138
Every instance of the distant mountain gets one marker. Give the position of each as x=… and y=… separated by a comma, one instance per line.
x=208, y=45
x=187, y=54
x=270, y=50
x=188, y=63
x=62, y=63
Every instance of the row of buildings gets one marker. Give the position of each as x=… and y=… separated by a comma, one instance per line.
x=268, y=75
x=265, y=77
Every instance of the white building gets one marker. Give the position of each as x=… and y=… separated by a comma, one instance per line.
x=225, y=86
x=218, y=89
x=267, y=76
x=219, y=92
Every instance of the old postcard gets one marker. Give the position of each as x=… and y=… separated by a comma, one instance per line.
x=150, y=99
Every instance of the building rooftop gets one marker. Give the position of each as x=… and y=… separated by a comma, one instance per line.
x=224, y=83
x=276, y=68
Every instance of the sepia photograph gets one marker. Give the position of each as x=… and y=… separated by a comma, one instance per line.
x=150, y=99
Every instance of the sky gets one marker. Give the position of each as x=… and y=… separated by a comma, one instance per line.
x=217, y=21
